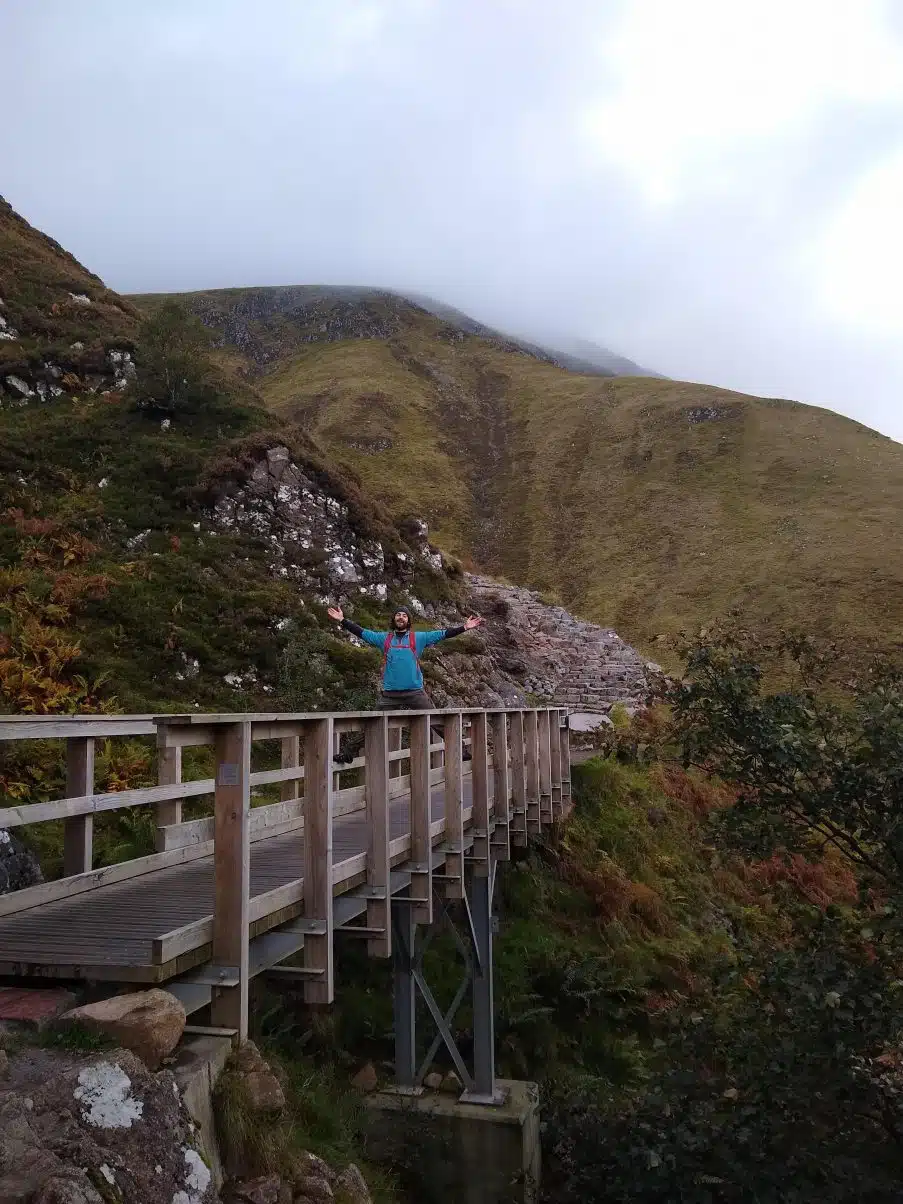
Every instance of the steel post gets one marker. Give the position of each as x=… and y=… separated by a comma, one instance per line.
x=405, y=999
x=479, y=896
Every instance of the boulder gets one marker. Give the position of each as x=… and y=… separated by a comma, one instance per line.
x=433, y=1081
x=85, y=1130
x=366, y=1078
x=351, y=1187
x=264, y=1190
x=314, y=1189
x=18, y=865
x=262, y=1090
x=309, y=1166
x=451, y=1084
x=150, y=1023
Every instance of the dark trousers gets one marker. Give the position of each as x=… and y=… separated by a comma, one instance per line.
x=390, y=700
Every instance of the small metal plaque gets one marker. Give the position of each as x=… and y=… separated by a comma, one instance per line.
x=228, y=774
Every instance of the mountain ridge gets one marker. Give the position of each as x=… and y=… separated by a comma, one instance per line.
x=649, y=505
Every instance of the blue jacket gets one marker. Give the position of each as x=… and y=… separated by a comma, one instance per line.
x=402, y=670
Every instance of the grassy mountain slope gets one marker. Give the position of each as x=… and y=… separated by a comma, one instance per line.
x=48, y=301
x=155, y=558
x=649, y=504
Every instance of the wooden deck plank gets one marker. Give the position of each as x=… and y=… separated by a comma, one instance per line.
x=115, y=926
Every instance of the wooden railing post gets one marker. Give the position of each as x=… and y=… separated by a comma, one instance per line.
x=518, y=781
x=169, y=773
x=454, y=808
x=501, y=804
x=555, y=762
x=376, y=788
x=421, y=844
x=565, y=738
x=232, y=872
x=480, y=782
x=318, y=949
x=291, y=759
x=531, y=725
x=545, y=767
x=394, y=746
x=78, y=830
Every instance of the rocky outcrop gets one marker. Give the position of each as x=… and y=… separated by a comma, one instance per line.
x=312, y=537
x=83, y=1130
x=556, y=656
x=18, y=865
x=266, y=323
x=104, y=1129
x=149, y=1023
x=94, y=371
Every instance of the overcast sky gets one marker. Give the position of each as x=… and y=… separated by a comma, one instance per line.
x=711, y=187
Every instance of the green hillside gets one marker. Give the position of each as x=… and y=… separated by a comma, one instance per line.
x=651, y=505
x=162, y=539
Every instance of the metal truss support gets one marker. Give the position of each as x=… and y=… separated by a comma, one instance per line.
x=472, y=933
x=480, y=893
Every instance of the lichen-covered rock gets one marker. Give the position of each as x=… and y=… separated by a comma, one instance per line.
x=78, y=1130
x=261, y=1090
x=18, y=865
x=73, y=1188
x=150, y=1023
x=351, y=1188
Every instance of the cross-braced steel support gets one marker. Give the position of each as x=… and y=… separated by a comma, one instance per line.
x=475, y=946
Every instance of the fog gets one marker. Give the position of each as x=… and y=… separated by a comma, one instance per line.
x=713, y=190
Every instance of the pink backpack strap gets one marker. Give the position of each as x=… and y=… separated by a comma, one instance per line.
x=412, y=644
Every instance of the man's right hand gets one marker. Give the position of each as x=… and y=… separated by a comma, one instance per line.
x=336, y=612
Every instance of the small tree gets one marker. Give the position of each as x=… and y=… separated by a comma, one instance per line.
x=814, y=767
x=173, y=369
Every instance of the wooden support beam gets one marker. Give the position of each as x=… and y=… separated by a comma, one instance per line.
x=545, y=767
x=232, y=872
x=565, y=740
x=394, y=749
x=318, y=951
x=531, y=727
x=78, y=831
x=518, y=780
x=480, y=779
x=421, y=845
x=291, y=758
x=454, y=808
x=555, y=762
x=376, y=787
x=169, y=773
x=501, y=794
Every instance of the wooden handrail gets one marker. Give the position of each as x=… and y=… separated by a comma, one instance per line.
x=519, y=772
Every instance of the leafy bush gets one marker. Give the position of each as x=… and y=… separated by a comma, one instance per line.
x=173, y=372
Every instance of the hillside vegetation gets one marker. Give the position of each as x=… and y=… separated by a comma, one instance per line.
x=164, y=544
x=647, y=504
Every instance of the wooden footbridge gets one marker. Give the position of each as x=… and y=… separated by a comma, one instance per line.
x=251, y=885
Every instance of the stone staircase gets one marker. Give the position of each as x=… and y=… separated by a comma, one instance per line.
x=556, y=656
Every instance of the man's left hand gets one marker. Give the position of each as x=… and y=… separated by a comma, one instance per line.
x=473, y=621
